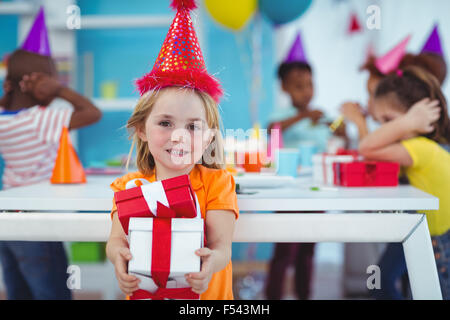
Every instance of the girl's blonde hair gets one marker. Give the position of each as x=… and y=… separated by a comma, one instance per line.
x=144, y=159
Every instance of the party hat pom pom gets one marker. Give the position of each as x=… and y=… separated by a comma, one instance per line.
x=183, y=5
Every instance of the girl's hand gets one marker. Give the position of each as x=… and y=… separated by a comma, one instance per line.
x=352, y=112
x=127, y=283
x=199, y=281
x=41, y=86
x=423, y=115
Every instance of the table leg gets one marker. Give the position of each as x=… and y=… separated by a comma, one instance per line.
x=421, y=264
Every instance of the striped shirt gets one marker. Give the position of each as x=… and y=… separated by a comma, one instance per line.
x=29, y=142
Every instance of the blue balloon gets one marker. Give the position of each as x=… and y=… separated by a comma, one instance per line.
x=283, y=11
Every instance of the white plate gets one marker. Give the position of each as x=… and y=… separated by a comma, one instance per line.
x=249, y=180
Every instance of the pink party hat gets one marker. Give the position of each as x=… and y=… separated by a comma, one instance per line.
x=37, y=39
x=433, y=44
x=297, y=53
x=390, y=61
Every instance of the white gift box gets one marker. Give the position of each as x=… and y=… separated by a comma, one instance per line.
x=323, y=166
x=187, y=237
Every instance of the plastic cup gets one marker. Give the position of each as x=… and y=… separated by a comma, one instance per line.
x=287, y=162
x=307, y=150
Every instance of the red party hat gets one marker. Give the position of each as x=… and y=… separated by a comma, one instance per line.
x=354, y=25
x=180, y=61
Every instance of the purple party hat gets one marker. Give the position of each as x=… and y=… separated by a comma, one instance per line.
x=433, y=44
x=297, y=53
x=37, y=39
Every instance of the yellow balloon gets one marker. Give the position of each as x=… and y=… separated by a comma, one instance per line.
x=233, y=14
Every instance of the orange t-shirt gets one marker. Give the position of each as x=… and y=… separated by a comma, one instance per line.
x=215, y=190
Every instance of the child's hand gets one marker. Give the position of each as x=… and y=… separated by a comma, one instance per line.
x=423, y=115
x=41, y=86
x=199, y=281
x=315, y=115
x=127, y=283
x=352, y=112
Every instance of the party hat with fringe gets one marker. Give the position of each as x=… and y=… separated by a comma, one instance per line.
x=180, y=60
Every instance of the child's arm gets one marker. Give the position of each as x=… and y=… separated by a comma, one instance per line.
x=119, y=254
x=384, y=144
x=5, y=100
x=85, y=113
x=215, y=257
x=314, y=115
x=353, y=112
x=46, y=88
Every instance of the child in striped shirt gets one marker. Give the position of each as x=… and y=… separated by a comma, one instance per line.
x=30, y=129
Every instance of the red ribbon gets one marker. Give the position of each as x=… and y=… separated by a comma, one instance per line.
x=131, y=203
x=164, y=293
x=161, y=245
x=161, y=251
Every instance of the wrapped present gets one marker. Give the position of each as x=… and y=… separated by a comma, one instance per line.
x=163, y=251
x=323, y=164
x=142, y=201
x=366, y=174
x=164, y=227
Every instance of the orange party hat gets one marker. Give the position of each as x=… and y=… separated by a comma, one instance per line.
x=68, y=168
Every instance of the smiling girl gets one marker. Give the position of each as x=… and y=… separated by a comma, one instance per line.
x=176, y=128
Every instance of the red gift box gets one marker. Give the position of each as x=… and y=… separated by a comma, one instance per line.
x=174, y=193
x=323, y=172
x=366, y=174
x=161, y=201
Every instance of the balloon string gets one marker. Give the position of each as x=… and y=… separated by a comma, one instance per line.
x=256, y=68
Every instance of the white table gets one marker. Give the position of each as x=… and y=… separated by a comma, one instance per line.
x=371, y=215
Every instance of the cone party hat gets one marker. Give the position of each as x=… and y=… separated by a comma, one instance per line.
x=297, y=52
x=68, y=168
x=390, y=61
x=37, y=38
x=433, y=44
x=180, y=60
x=354, y=25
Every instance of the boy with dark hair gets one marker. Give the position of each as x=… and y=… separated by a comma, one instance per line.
x=299, y=123
x=296, y=81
